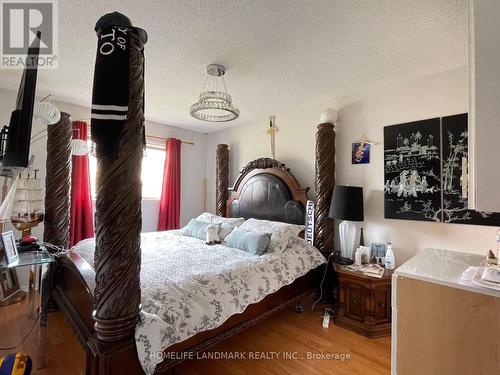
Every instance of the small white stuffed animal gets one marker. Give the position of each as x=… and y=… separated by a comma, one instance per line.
x=212, y=232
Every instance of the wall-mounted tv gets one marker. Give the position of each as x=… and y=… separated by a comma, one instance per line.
x=17, y=136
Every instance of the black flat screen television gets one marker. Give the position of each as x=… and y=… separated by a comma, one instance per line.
x=17, y=144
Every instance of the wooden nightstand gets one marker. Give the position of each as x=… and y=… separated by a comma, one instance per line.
x=364, y=302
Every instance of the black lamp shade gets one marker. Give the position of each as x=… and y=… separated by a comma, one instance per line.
x=347, y=203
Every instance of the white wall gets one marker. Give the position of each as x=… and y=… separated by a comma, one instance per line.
x=433, y=96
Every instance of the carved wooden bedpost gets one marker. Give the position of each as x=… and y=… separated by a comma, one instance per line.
x=58, y=182
x=57, y=198
x=324, y=183
x=221, y=178
x=118, y=213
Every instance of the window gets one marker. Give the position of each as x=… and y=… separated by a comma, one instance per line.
x=151, y=175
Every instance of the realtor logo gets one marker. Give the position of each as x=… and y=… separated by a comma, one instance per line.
x=21, y=20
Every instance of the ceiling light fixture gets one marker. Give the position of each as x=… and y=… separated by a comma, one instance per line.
x=214, y=103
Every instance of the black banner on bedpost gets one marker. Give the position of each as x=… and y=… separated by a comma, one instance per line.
x=309, y=232
x=117, y=296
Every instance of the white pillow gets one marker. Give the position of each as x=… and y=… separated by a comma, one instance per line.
x=227, y=223
x=281, y=232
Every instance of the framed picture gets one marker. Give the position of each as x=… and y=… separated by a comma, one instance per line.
x=360, y=153
x=454, y=161
x=9, y=284
x=412, y=171
x=9, y=247
x=425, y=166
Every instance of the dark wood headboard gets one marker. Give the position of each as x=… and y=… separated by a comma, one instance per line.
x=261, y=172
x=266, y=189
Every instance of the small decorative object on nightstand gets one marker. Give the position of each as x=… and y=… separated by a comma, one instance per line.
x=364, y=302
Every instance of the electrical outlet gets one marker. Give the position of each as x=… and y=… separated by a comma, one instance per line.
x=326, y=319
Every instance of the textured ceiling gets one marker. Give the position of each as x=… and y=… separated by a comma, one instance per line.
x=279, y=53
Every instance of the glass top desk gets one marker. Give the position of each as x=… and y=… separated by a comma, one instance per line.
x=35, y=260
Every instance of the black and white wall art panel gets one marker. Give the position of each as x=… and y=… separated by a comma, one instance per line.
x=412, y=171
x=425, y=172
x=454, y=166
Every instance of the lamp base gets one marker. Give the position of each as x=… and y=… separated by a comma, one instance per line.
x=347, y=232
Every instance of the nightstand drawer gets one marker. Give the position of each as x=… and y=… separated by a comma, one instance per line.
x=382, y=305
x=355, y=306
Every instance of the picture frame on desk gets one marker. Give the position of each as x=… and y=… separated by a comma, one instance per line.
x=9, y=247
x=9, y=284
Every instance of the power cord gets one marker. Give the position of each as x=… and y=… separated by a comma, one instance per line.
x=55, y=249
x=321, y=292
x=25, y=337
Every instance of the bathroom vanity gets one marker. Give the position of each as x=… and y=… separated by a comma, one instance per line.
x=441, y=325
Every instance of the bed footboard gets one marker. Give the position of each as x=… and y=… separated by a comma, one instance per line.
x=74, y=282
x=73, y=293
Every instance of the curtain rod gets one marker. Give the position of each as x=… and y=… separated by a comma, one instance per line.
x=147, y=136
x=164, y=139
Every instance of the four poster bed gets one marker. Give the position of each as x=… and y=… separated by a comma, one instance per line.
x=98, y=284
x=265, y=189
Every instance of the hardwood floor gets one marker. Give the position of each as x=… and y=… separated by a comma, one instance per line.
x=55, y=350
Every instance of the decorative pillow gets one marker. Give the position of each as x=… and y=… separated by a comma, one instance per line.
x=196, y=229
x=248, y=240
x=280, y=232
x=227, y=223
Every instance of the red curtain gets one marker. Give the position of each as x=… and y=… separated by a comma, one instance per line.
x=170, y=202
x=81, y=220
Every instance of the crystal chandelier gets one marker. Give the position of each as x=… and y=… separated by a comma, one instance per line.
x=214, y=103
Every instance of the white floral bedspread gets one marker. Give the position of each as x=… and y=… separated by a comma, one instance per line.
x=188, y=287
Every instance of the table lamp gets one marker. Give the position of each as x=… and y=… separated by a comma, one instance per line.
x=347, y=205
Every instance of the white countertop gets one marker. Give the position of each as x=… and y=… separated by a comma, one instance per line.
x=444, y=267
